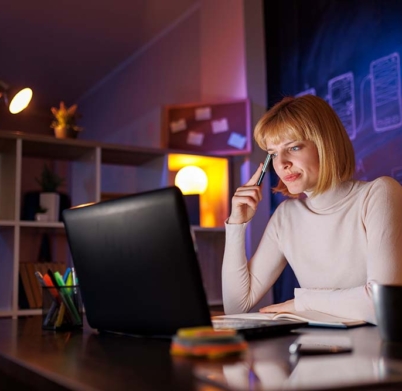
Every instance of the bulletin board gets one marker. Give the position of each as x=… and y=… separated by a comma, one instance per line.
x=218, y=128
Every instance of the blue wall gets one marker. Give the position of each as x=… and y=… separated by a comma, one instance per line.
x=349, y=53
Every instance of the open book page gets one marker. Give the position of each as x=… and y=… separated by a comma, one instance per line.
x=248, y=315
x=314, y=318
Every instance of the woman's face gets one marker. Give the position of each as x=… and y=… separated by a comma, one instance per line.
x=296, y=163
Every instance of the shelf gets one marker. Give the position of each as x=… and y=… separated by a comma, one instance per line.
x=42, y=224
x=36, y=311
x=128, y=155
x=49, y=147
x=7, y=223
x=91, y=169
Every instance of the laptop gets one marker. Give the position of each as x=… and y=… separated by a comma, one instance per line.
x=138, y=270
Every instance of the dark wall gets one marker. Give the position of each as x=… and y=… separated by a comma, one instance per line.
x=349, y=53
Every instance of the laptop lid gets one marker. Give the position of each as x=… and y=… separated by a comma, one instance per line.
x=138, y=271
x=136, y=264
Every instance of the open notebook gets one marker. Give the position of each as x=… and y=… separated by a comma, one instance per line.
x=314, y=318
x=138, y=270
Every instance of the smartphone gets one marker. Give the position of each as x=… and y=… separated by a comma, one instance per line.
x=310, y=345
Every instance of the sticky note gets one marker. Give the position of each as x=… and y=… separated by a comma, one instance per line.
x=178, y=126
x=220, y=125
x=203, y=113
x=236, y=140
x=195, y=138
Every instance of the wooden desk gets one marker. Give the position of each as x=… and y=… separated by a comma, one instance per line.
x=44, y=360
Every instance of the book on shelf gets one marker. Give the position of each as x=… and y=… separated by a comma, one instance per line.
x=31, y=292
x=35, y=287
x=314, y=318
x=22, y=297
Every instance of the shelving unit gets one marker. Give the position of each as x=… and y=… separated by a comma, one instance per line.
x=88, y=167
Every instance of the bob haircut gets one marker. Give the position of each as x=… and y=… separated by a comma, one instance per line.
x=309, y=117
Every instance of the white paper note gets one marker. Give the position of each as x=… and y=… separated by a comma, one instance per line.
x=203, y=113
x=220, y=125
x=178, y=126
x=195, y=138
x=236, y=140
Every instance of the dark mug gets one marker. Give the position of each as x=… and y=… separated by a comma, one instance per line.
x=388, y=310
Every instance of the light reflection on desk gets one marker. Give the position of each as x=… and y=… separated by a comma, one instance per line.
x=308, y=373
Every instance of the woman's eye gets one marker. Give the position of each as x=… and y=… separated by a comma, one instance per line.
x=273, y=155
x=295, y=148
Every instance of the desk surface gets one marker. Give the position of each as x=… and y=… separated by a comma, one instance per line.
x=85, y=360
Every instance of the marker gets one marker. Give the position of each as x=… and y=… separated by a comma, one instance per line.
x=65, y=297
x=47, y=281
x=66, y=274
x=264, y=169
x=74, y=277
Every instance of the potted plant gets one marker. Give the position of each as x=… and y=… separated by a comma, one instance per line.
x=65, y=121
x=49, y=199
x=41, y=214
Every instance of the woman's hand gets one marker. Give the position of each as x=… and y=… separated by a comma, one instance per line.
x=245, y=200
x=285, y=306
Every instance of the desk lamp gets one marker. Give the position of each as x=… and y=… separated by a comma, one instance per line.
x=16, y=100
x=192, y=181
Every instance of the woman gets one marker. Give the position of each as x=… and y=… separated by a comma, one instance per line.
x=339, y=235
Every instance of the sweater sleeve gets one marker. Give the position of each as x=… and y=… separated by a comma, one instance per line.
x=382, y=221
x=352, y=303
x=245, y=282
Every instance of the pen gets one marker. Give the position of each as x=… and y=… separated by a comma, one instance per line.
x=65, y=296
x=40, y=278
x=58, y=292
x=66, y=274
x=264, y=169
x=74, y=277
x=44, y=291
x=74, y=283
x=47, y=282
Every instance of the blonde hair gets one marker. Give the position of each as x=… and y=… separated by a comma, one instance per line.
x=309, y=117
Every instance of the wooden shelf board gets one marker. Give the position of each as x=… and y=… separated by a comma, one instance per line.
x=35, y=311
x=41, y=146
x=129, y=156
x=42, y=224
x=7, y=223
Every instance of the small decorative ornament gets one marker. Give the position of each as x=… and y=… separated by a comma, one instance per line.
x=41, y=217
x=49, y=199
x=65, y=121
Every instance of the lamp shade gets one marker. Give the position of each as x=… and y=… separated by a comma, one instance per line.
x=20, y=101
x=16, y=99
x=191, y=180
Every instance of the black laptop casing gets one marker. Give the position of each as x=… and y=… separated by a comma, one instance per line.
x=136, y=264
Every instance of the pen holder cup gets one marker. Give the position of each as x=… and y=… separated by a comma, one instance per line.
x=61, y=308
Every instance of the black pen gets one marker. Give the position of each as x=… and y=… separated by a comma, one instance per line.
x=264, y=169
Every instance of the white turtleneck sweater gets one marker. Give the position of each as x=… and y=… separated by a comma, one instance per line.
x=338, y=243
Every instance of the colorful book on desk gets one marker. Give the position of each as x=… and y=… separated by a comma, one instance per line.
x=314, y=318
